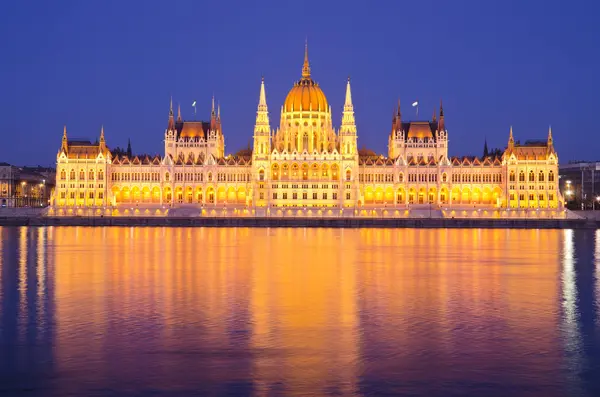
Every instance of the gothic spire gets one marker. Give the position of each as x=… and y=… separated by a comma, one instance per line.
x=441, y=123
x=348, y=102
x=178, y=112
x=511, y=140
x=102, y=140
x=64, y=147
x=262, y=99
x=550, y=142
x=213, y=115
x=434, y=118
x=348, y=123
x=486, y=152
x=171, y=126
x=262, y=112
x=306, y=66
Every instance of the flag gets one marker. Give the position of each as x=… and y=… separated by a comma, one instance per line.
x=194, y=104
x=415, y=103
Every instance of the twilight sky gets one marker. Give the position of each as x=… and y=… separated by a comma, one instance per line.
x=529, y=64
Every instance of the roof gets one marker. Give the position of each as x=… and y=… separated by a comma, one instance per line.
x=420, y=129
x=531, y=150
x=192, y=129
x=83, y=149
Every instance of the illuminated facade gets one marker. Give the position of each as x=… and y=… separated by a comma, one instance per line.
x=305, y=167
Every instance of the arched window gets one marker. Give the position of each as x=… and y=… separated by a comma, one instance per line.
x=348, y=175
x=210, y=176
x=401, y=177
x=551, y=176
x=72, y=175
x=63, y=175
x=305, y=141
x=531, y=176
x=81, y=175
x=511, y=176
x=541, y=177
x=521, y=176
x=275, y=172
x=166, y=177
x=261, y=175
x=91, y=175
x=100, y=175
x=334, y=172
x=444, y=177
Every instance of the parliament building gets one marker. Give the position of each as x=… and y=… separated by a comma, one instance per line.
x=306, y=167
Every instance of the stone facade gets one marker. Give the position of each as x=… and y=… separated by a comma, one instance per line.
x=305, y=165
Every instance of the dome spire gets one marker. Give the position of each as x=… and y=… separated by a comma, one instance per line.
x=306, y=66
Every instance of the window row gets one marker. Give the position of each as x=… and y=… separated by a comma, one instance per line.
x=72, y=196
x=305, y=195
x=82, y=174
x=541, y=177
x=531, y=197
x=477, y=178
x=136, y=176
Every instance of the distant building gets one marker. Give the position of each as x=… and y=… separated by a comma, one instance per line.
x=25, y=186
x=579, y=183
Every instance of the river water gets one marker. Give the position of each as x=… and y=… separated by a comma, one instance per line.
x=270, y=312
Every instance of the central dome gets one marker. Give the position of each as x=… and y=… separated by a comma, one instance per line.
x=305, y=95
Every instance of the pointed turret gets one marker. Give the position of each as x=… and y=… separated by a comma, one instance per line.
x=213, y=115
x=218, y=123
x=102, y=142
x=262, y=112
x=441, y=123
x=550, y=142
x=64, y=147
x=129, y=152
x=262, y=130
x=511, y=140
x=434, y=117
x=347, y=136
x=486, y=152
x=306, y=65
x=178, y=112
x=348, y=122
x=397, y=119
x=171, y=126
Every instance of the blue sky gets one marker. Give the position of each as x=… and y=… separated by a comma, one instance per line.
x=529, y=64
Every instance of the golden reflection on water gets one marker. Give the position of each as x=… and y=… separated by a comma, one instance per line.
x=305, y=310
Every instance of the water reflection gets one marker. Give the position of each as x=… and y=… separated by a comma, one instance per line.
x=295, y=311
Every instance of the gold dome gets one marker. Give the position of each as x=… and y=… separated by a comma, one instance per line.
x=306, y=94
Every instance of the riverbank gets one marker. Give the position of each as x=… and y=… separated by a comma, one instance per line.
x=304, y=222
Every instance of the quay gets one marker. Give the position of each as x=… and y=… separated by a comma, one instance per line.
x=450, y=223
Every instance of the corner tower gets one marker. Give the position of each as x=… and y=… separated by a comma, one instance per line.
x=262, y=129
